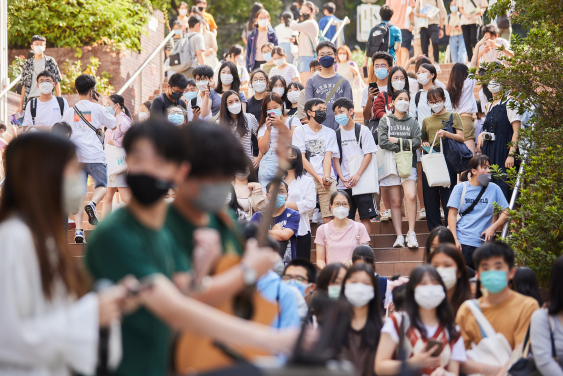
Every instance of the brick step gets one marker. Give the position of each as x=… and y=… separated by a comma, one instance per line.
x=87, y=234
x=390, y=254
x=390, y=269
x=378, y=228
x=386, y=240
x=76, y=249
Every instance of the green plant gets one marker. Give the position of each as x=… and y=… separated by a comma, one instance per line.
x=72, y=69
x=15, y=68
x=358, y=58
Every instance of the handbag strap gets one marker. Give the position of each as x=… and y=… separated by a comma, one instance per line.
x=551, y=330
x=81, y=115
x=485, y=327
x=474, y=203
x=434, y=142
x=334, y=88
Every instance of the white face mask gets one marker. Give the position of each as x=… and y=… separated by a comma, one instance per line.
x=46, y=87
x=293, y=96
x=398, y=85
x=279, y=91
x=38, y=49
x=429, y=296
x=422, y=78
x=402, y=105
x=343, y=57
x=143, y=116
x=227, y=78
x=259, y=86
x=494, y=87
x=316, y=72
x=183, y=11
x=341, y=212
x=235, y=108
x=437, y=107
x=449, y=276
x=74, y=189
x=202, y=85
x=279, y=62
x=358, y=294
x=263, y=23
x=239, y=59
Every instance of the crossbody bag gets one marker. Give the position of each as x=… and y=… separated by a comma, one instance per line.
x=97, y=131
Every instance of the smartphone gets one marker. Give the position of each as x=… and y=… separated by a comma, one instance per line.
x=143, y=286
x=365, y=72
x=193, y=104
x=433, y=342
x=271, y=114
x=373, y=85
x=426, y=149
x=95, y=95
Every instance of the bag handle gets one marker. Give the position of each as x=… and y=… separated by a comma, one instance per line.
x=432, y=146
x=484, y=326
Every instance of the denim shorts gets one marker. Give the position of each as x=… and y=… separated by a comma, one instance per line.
x=303, y=65
x=98, y=172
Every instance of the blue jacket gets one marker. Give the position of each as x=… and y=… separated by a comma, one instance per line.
x=251, y=45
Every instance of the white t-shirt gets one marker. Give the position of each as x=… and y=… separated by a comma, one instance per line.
x=467, y=103
x=494, y=55
x=483, y=99
x=424, y=109
x=365, y=94
x=47, y=114
x=350, y=148
x=242, y=73
x=284, y=33
x=288, y=73
x=199, y=103
x=88, y=148
x=512, y=114
x=318, y=144
x=302, y=191
x=413, y=85
x=274, y=133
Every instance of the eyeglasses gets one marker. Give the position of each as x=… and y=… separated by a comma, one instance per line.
x=376, y=66
x=296, y=278
x=431, y=103
x=49, y=81
x=339, y=204
x=260, y=80
x=176, y=113
x=327, y=54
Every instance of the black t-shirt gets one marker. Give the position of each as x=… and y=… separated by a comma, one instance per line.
x=161, y=103
x=254, y=107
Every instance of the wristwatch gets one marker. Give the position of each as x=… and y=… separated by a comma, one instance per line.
x=249, y=275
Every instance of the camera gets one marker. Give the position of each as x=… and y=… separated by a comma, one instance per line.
x=488, y=136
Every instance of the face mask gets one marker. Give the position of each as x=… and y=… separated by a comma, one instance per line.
x=178, y=32
x=429, y=296
x=176, y=96
x=201, y=9
x=279, y=62
x=437, y=107
x=315, y=73
x=259, y=86
x=453, y=8
x=305, y=16
x=176, y=119
x=267, y=56
x=334, y=291
x=341, y=212
x=212, y=196
x=341, y=119
x=320, y=116
x=110, y=110
x=183, y=12
x=279, y=91
x=190, y=95
x=493, y=280
x=422, y=78
x=276, y=112
x=449, y=276
x=343, y=57
x=326, y=61
x=73, y=193
x=402, y=105
x=143, y=116
x=239, y=59
x=147, y=189
x=358, y=294
x=398, y=85
x=494, y=87
x=202, y=85
x=484, y=179
x=235, y=108
x=280, y=201
x=227, y=79
x=300, y=286
x=293, y=96
x=46, y=87
x=381, y=73
x=263, y=23
x=38, y=49
x=292, y=163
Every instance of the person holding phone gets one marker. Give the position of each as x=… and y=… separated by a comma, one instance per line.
x=198, y=106
x=432, y=341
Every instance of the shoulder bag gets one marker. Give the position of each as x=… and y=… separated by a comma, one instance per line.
x=457, y=153
x=97, y=131
x=435, y=167
x=404, y=160
x=334, y=88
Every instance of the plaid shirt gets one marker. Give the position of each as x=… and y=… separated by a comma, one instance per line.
x=28, y=71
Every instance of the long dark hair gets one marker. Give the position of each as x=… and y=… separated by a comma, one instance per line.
x=118, y=99
x=273, y=80
x=390, y=89
x=296, y=153
x=455, y=83
x=526, y=282
x=372, y=329
x=443, y=311
x=444, y=236
x=225, y=116
x=270, y=97
x=236, y=80
x=478, y=160
x=287, y=17
x=462, y=290
x=328, y=275
x=432, y=70
x=292, y=84
x=555, y=287
x=365, y=254
x=252, y=18
x=33, y=191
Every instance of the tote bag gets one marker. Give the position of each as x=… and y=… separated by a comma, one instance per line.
x=368, y=183
x=404, y=160
x=115, y=159
x=386, y=164
x=435, y=167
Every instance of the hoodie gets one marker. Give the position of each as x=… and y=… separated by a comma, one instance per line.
x=405, y=129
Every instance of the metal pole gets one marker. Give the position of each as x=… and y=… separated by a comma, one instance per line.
x=4, y=79
x=344, y=23
x=328, y=25
x=138, y=71
x=10, y=86
x=514, y=195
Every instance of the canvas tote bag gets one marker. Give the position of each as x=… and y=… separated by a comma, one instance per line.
x=435, y=167
x=404, y=160
x=369, y=182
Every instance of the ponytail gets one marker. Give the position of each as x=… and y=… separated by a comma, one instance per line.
x=118, y=99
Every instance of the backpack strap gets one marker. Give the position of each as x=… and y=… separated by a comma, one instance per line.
x=61, y=104
x=474, y=203
x=357, y=131
x=33, y=109
x=339, y=142
x=358, y=232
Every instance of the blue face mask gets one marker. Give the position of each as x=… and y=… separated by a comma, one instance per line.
x=493, y=280
x=110, y=110
x=300, y=286
x=453, y=8
x=342, y=119
x=326, y=61
x=277, y=112
x=267, y=56
x=381, y=73
x=178, y=32
x=176, y=119
x=280, y=201
x=190, y=95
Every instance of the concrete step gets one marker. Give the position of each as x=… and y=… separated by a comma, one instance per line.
x=386, y=240
x=76, y=249
x=390, y=269
x=378, y=228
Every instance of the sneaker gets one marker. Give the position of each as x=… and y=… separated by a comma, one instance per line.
x=79, y=236
x=438, y=69
x=386, y=216
x=422, y=214
x=90, y=209
x=411, y=240
x=441, y=213
x=317, y=217
x=400, y=242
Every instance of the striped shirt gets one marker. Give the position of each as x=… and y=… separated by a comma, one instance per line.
x=252, y=127
x=288, y=73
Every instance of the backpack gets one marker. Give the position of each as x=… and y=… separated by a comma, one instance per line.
x=378, y=40
x=503, y=22
x=320, y=38
x=182, y=56
x=457, y=153
x=33, y=101
x=357, y=130
x=373, y=124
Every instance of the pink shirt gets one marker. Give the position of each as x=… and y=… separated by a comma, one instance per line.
x=399, y=11
x=339, y=244
x=123, y=125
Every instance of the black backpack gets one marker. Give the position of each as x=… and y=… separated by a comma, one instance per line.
x=378, y=40
x=34, y=107
x=373, y=123
x=357, y=130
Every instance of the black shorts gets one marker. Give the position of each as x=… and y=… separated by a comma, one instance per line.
x=363, y=204
x=467, y=251
x=406, y=35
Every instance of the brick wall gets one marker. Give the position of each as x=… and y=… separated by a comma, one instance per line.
x=120, y=65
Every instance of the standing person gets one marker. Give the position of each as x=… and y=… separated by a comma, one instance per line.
x=360, y=289
x=229, y=80
x=177, y=83
x=258, y=82
x=31, y=69
x=436, y=198
x=489, y=47
x=204, y=80
x=86, y=123
x=202, y=5
x=346, y=67
x=183, y=16
x=427, y=316
x=431, y=32
x=425, y=80
x=47, y=109
x=413, y=82
x=460, y=88
x=477, y=223
x=354, y=139
x=328, y=85
x=282, y=67
x=50, y=324
x=267, y=50
x=278, y=85
x=394, y=129
x=308, y=38
x=294, y=90
x=318, y=146
x=337, y=238
x=236, y=56
x=251, y=20
x=330, y=280
x=400, y=11
x=329, y=17
x=196, y=44
x=391, y=41
x=117, y=182
x=397, y=79
x=453, y=30
x=471, y=20
x=381, y=63
x=211, y=48
x=177, y=38
x=302, y=197
x=260, y=35
x=144, y=111
x=284, y=34
x=494, y=262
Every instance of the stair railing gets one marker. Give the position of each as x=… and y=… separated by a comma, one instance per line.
x=514, y=195
x=10, y=86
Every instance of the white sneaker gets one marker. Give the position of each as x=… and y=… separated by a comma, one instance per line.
x=438, y=69
x=422, y=214
x=411, y=240
x=442, y=213
x=400, y=242
x=386, y=216
x=317, y=216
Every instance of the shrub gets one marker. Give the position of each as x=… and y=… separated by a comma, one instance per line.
x=72, y=69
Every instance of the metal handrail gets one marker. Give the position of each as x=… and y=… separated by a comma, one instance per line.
x=147, y=61
x=344, y=23
x=514, y=194
x=10, y=86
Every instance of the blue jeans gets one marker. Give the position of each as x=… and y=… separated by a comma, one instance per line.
x=268, y=167
x=287, y=49
x=98, y=172
x=457, y=49
x=303, y=65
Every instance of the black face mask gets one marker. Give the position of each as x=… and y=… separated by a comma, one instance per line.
x=305, y=17
x=292, y=163
x=320, y=116
x=201, y=9
x=175, y=96
x=147, y=189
